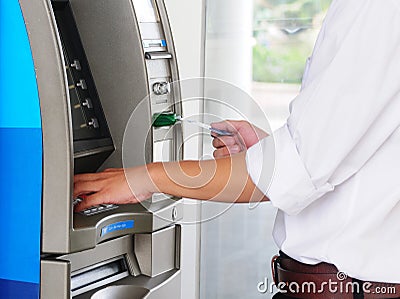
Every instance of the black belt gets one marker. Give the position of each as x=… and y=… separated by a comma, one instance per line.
x=325, y=281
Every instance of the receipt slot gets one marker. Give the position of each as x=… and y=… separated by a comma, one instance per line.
x=86, y=66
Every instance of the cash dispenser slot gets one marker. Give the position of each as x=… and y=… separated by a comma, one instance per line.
x=98, y=275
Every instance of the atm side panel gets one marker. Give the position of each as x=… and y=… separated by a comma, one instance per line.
x=56, y=124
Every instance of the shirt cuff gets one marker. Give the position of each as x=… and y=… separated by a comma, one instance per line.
x=291, y=188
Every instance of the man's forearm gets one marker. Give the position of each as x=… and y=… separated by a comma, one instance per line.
x=225, y=179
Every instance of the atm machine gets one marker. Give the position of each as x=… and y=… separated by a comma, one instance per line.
x=72, y=73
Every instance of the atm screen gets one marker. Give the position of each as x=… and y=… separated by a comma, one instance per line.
x=90, y=129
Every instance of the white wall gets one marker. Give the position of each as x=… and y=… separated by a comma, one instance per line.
x=186, y=19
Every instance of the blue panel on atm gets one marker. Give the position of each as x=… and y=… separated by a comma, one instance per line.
x=17, y=289
x=20, y=159
x=18, y=91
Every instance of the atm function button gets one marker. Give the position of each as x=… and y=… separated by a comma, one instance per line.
x=87, y=103
x=76, y=65
x=94, y=123
x=82, y=84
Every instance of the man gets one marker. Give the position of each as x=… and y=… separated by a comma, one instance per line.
x=337, y=164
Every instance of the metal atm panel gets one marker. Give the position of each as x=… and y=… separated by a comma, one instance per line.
x=112, y=270
x=95, y=61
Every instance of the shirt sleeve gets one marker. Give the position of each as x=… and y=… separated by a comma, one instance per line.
x=347, y=109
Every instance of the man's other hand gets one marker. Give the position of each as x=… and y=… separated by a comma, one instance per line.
x=244, y=135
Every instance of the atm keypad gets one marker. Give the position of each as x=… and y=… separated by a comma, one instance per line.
x=95, y=209
x=98, y=209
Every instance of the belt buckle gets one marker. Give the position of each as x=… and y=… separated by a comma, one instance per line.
x=274, y=266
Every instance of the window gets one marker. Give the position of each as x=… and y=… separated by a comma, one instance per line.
x=261, y=47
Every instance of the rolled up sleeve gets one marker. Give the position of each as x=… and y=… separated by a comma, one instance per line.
x=291, y=188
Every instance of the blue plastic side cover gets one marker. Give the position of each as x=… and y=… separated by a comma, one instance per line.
x=20, y=159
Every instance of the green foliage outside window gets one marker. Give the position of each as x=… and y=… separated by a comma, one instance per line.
x=284, y=33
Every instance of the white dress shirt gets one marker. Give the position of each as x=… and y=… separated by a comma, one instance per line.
x=336, y=181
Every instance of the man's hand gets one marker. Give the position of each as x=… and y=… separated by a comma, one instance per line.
x=111, y=187
x=244, y=136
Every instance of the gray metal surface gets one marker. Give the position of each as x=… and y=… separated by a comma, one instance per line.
x=156, y=252
x=55, y=279
x=164, y=286
x=56, y=125
x=87, y=230
x=105, y=251
x=178, y=136
x=165, y=280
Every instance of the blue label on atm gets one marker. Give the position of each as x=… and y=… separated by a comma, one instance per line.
x=117, y=226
